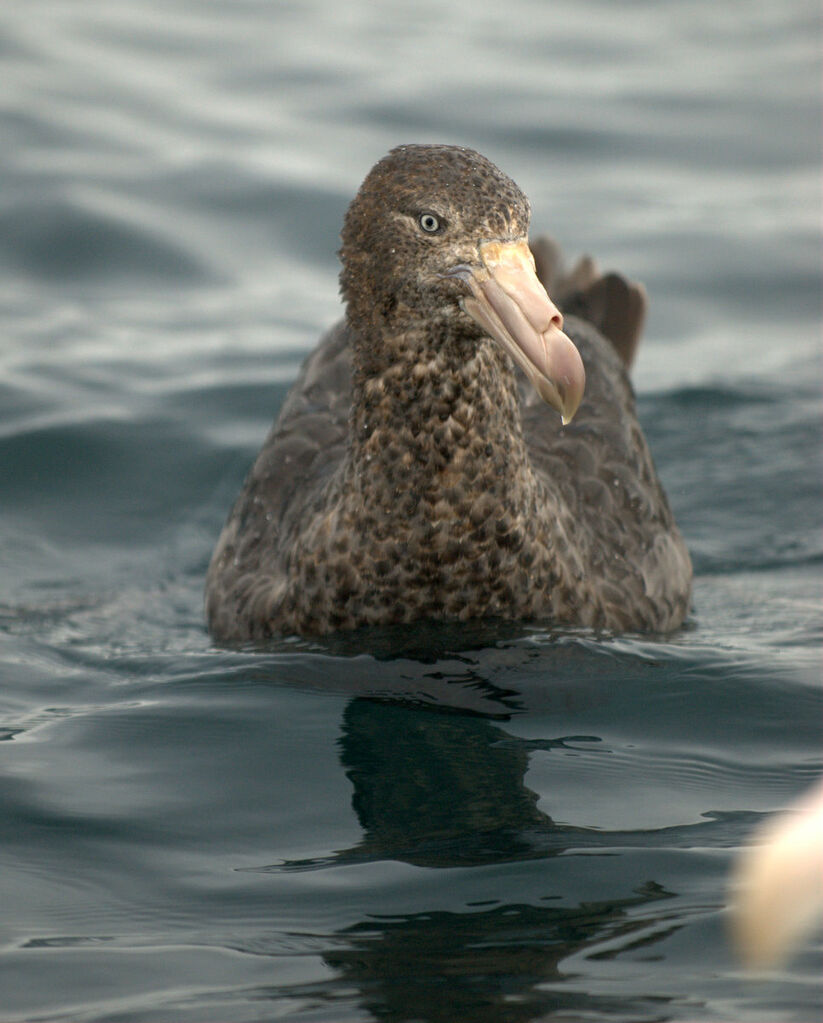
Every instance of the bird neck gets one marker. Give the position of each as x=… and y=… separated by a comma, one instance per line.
x=432, y=413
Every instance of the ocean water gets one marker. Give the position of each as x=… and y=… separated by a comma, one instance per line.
x=478, y=824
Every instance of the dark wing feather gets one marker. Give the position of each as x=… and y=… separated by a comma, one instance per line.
x=600, y=463
x=301, y=452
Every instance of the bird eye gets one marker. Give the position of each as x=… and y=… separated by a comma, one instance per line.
x=430, y=223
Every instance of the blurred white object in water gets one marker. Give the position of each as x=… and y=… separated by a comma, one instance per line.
x=778, y=883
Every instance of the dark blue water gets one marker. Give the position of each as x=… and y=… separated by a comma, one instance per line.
x=483, y=823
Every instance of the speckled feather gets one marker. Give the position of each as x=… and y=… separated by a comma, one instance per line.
x=413, y=474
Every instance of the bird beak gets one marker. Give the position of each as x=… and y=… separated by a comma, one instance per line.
x=509, y=302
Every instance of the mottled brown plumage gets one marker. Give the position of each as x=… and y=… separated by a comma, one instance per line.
x=414, y=473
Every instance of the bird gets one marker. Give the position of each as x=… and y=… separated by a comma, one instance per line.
x=456, y=447
x=776, y=887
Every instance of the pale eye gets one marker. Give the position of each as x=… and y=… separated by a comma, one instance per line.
x=429, y=222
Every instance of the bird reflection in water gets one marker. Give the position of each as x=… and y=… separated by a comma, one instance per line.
x=439, y=789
